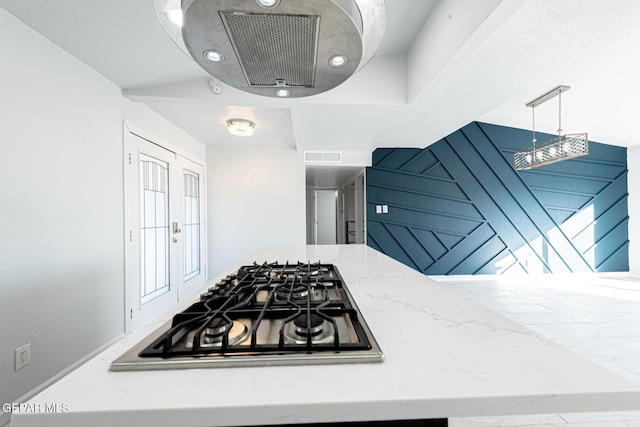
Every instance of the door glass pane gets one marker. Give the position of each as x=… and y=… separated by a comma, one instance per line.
x=191, y=225
x=154, y=228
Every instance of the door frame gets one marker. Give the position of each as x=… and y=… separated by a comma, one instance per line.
x=130, y=128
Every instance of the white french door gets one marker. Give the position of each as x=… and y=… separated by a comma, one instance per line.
x=191, y=259
x=164, y=229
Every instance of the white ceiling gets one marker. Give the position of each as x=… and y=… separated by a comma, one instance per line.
x=442, y=64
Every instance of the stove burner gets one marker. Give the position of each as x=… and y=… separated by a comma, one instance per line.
x=313, y=328
x=297, y=332
x=217, y=327
x=213, y=334
x=256, y=271
x=296, y=292
x=309, y=269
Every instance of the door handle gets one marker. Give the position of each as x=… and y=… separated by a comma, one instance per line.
x=176, y=230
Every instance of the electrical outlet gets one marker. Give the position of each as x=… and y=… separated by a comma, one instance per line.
x=23, y=356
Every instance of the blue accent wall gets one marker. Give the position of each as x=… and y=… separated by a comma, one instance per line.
x=459, y=207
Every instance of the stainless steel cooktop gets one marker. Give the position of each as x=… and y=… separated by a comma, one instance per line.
x=265, y=314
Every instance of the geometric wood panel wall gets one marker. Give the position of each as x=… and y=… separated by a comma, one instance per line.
x=459, y=207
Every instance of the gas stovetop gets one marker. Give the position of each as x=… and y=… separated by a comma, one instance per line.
x=265, y=314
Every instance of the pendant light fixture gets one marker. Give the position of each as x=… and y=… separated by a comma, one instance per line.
x=562, y=147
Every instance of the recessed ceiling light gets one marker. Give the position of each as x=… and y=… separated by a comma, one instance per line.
x=240, y=127
x=268, y=3
x=213, y=56
x=338, y=60
x=283, y=93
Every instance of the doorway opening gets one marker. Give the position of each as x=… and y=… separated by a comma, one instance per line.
x=335, y=204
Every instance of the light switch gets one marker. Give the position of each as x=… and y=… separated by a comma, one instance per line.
x=378, y=208
x=385, y=209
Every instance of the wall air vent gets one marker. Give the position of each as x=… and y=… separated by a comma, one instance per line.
x=323, y=157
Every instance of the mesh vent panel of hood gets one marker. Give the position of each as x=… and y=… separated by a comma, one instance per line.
x=274, y=48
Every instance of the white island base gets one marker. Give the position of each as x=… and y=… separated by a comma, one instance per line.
x=445, y=356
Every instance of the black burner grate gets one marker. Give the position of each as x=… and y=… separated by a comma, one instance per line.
x=267, y=308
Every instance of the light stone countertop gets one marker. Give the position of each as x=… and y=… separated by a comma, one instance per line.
x=445, y=356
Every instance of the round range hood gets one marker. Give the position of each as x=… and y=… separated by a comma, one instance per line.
x=276, y=48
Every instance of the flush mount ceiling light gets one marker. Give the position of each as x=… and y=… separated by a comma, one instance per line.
x=240, y=127
x=307, y=47
x=562, y=147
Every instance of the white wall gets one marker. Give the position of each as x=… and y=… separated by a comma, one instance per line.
x=633, y=164
x=61, y=205
x=256, y=197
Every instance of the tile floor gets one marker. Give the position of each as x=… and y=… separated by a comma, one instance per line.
x=597, y=317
